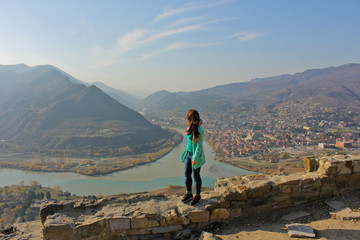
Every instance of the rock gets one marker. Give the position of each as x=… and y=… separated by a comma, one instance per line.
x=299, y=230
x=85, y=203
x=172, y=228
x=259, y=190
x=119, y=223
x=47, y=209
x=346, y=214
x=90, y=228
x=184, y=234
x=335, y=204
x=143, y=222
x=235, y=212
x=220, y=214
x=295, y=215
x=199, y=216
x=208, y=236
x=172, y=218
x=58, y=227
x=311, y=164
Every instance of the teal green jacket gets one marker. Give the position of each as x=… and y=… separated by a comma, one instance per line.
x=198, y=151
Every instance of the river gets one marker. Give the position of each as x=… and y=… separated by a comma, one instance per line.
x=160, y=174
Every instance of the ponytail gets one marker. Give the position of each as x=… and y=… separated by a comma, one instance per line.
x=194, y=122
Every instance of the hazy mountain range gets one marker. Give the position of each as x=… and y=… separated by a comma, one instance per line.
x=336, y=86
x=44, y=108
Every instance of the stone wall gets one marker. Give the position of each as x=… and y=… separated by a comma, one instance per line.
x=144, y=216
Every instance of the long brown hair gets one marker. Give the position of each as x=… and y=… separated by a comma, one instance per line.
x=194, y=122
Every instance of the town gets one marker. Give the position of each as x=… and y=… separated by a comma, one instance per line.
x=273, y=134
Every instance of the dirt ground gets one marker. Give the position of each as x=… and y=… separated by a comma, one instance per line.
x=272, y=226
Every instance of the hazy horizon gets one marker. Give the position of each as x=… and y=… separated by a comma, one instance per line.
x=179, y=46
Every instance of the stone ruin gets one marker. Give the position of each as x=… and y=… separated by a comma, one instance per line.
x=146, y=216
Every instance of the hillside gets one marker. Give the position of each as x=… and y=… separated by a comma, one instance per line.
x=336, y=86
x=119, y=95
x=44, y=109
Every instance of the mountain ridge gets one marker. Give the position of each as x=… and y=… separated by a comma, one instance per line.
x=327, y=86
x=42, y=108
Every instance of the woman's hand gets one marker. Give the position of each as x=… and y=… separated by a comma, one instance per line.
x=194, y=162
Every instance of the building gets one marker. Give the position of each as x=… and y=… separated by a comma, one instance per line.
x=343, y=144
x=325, y=145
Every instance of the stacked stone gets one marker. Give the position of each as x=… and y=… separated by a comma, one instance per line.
x=253, y=194
x=142, y=216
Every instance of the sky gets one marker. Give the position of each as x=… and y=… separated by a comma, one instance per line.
x=147, y=46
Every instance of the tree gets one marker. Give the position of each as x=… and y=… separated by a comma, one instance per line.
x=34, y=183
x=48, y=195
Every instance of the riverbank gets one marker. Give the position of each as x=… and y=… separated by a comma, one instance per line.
x=287, y=166
x=89, y=166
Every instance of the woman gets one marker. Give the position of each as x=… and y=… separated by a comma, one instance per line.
x=193, y=157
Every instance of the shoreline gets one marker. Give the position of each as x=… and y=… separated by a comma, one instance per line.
x=25, y=162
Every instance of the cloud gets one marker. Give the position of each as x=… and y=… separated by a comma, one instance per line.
x=246, y=36
x=182, y=21
x=172, y=12
x=166, y=13
x=178, y=45
x=145, y=38
x=170, y=32
x=131, y=40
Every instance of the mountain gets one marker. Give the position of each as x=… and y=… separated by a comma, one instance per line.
x=42, y=108
x=336, y=86
x=119, y=95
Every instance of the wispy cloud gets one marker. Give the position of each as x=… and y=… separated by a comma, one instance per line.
x=173, y=12
x=166, y=13
x=246, y=36
x=156, y=36
x=182, y=21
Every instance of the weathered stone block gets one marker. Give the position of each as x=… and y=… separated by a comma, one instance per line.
x=248, y=212
x=264, y=208
x=356, y=167
x=238, y=204
x=235, y=212
x=172, y=228
x=230, y=191
x=327, y=168
x=344, y=167
x=119, y=224
x=213, y=203
x=198, y=216
x=47, y=209
x=143, y=222
x=60, y=232
x=355, y=180
x=279, y=205
x=172, y=218
x=142, y=231
x=327, y=189
x=342, y=181
x=259, y=190
x=220, y=214
x=311, y=164
x=58, y=227
x=91, y=229
x=280, y=198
